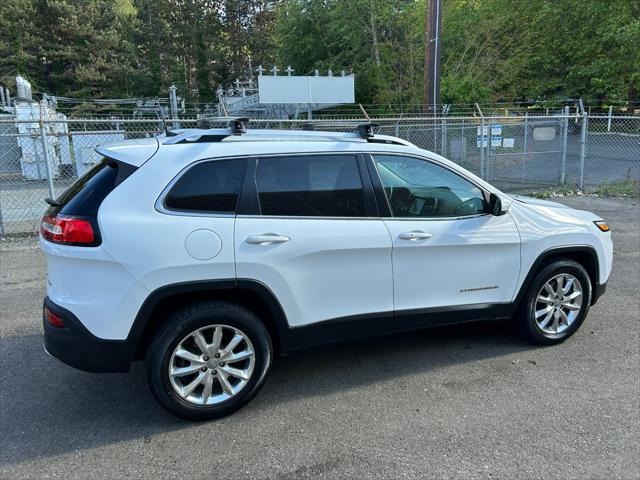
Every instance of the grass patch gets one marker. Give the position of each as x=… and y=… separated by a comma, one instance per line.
x=556, y=192
x=621, y=189
x=624, y=188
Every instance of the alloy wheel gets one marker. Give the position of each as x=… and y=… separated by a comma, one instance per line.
x=558, y=303
x=211, y=365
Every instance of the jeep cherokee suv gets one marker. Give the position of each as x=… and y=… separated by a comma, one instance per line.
x=207, y=252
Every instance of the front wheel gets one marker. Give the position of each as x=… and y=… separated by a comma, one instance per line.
x=208, y=360
x=556, y=303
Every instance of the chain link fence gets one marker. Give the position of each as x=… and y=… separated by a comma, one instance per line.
x=43, y=157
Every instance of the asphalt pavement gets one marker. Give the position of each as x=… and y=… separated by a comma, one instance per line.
x=469, y=401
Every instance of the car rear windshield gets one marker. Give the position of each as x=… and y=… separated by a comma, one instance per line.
x=84, y=197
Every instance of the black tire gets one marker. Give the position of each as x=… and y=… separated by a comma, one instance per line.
x=525, y=318
x=189, y=319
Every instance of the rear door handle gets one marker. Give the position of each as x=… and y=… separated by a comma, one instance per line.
x=266, y=239
x=415, y=235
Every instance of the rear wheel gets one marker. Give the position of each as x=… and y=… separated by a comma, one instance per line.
x=208, y=360
x=556, y=303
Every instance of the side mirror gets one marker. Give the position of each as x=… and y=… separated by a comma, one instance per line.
x=495, y=205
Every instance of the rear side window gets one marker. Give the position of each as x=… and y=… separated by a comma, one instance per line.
x=84, y=197
x=309, y=186
x=208, y=187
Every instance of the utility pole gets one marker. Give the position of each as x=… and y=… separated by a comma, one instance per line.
x=432, y=50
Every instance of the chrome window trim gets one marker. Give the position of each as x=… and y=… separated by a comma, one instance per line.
x=484, y=191
x=301, y=217
x=160, y=208
x=430, y=219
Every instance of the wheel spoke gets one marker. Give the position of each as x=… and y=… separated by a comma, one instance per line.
x=568, y=286
x=233, y=343
x=187, y=355
x=546, y=320
x=182, y=371
x=241, y=374
x=201, y=342
x=187, y=389
x=236, y=357
x=544, y=311
x=575, y=294
x=550, y=290
x=546, y=300
x=208, y=387
x=217, y=337
x=224, y=382
x=571, y=306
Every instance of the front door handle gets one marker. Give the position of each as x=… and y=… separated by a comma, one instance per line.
x=415, y=235
x=266, y=239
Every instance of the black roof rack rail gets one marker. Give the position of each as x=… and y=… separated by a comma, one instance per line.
x=365, y=130
x=239, y=125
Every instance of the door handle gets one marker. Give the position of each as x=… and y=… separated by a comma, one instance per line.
x=266, y=239
x=415, y=235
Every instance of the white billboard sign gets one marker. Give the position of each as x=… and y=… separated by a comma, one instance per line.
x=307, y=90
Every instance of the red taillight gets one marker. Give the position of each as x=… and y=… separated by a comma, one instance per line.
x=53, y=319
x=67, y=230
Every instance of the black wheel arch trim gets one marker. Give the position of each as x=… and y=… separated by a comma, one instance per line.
x=293, y=338
x=117, y=355
x=199, y=286
x=552, y=252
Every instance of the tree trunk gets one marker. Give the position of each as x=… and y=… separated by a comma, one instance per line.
x=374, y=35
x=632, y=96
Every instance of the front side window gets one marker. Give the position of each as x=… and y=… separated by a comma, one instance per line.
x=310, y=186
x=211, y=187
x=419, y=188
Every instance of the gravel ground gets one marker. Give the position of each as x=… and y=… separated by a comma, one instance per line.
x=459, y=402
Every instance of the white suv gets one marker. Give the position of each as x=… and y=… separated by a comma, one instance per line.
x=207, y=252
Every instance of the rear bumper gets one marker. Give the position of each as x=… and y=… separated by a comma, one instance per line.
x=79, y=348
x=598, y=292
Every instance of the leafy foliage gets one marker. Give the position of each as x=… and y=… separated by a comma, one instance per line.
x=492, y=49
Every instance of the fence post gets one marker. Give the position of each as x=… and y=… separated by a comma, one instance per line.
x=609, y=121
x=443, y=136
x=565, y=128
x=45, y=154
x=482, y=148
x=1, y=219
x=583, y=144
x=173, y=104
x=481, y=141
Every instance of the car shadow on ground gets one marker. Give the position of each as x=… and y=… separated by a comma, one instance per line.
x=47, y=408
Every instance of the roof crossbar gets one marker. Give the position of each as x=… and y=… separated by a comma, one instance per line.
x=237, y=126
x=363, y=130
